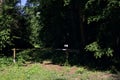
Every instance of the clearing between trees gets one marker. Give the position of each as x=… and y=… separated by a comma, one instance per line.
x=49, y=71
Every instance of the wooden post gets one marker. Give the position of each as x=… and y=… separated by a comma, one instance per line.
x=14, y=54
x=67, y=54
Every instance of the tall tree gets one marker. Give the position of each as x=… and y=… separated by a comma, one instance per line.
x=105, y=14
x=34, y=24
x=52, y=17
x=12, y=26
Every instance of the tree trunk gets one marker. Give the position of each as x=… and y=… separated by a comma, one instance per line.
x=81, y=19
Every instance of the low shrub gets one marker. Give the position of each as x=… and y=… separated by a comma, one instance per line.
x=5, y=61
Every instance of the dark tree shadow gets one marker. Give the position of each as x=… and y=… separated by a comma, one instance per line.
x=75, y=58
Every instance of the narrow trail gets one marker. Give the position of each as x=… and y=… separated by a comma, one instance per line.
x=69, y=71
x=72, y=70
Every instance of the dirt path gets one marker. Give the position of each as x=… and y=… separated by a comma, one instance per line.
x=73, y=70
x=48, y=65
x=79, y=72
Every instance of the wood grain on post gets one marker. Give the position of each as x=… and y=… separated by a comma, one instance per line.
x=14, y=54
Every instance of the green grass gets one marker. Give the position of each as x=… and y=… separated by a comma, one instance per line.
x=32, y=72
x=38, y=72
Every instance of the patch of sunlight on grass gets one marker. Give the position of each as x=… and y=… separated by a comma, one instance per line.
x=32, y=72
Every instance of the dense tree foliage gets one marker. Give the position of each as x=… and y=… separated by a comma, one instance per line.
x=90, y=26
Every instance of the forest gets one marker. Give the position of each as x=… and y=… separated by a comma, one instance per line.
x=40, y=29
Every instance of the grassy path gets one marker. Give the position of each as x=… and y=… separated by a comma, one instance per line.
x=39, y=71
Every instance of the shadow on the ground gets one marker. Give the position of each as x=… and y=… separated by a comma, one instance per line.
x=79, y=59
x=116, y=77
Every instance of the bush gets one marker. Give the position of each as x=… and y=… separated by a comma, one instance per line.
x=24, y=56
x=98, y=51
x=59, y=57
x=39, y=55
x=5, y=61
x=35, y=55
